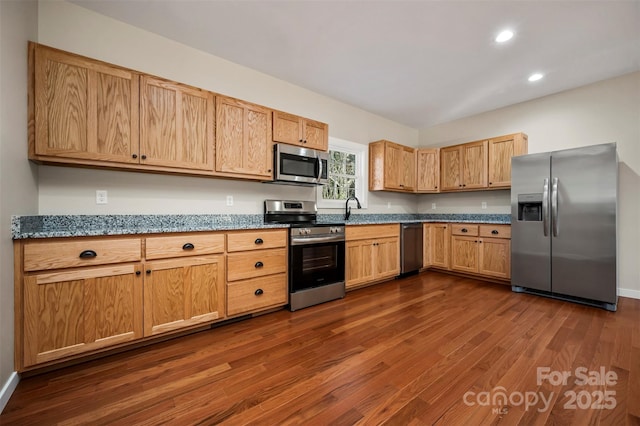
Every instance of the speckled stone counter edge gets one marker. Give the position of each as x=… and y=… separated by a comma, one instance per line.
x=23, y=227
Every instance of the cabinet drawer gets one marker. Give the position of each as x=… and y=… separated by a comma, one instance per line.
x=256, y=294
x=184, y=245
x=464, y=229
x=257, y=263
x=495, y=231
x=256, y=240
x=39, y=256
x=361, y=232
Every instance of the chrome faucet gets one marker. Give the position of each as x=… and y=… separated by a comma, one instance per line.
x=347, y=209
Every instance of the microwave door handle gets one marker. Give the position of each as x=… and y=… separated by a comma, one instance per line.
x=319, y=160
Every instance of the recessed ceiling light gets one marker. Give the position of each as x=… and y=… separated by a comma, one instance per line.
x=535, y=77
x=504, y=36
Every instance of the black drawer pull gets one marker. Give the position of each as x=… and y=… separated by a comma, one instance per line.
x=144, y=157
x=138, y=272
x=88, y=254
x=188, y=246
x=258, y=292
x=148, y=271
x=495, y=232
x=259, y=241
x=259, y=265
x=134, y=156
x=464, y=230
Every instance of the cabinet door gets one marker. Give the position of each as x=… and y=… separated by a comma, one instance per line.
x=183, y=292
x=426, y=245
x=475, y=165
x=501, y=150
x=67, y=313
x=408, y=182
x=177, y=125
x=316, y=135
x=495, y=257
x=243, y=138
x=84, y=109
x=359, y=262
x=393, y=162
x=387, y=257
x=440, y=245
x=451, y=168
x=287, y=128
x=464, y=254
x=428, y=178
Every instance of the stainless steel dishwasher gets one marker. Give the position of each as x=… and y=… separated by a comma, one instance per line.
x=410, y=248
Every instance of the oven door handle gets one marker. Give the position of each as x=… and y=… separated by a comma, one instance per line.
x=315, y=240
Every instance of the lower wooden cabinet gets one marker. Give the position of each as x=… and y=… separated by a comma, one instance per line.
x=183, y=292
x=481, y=249
x=72, y=312
x=372, y=254
x=257, y=294
x=436, y=241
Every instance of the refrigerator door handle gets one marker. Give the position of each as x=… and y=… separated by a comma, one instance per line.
x=554, y=206
x=545, y=207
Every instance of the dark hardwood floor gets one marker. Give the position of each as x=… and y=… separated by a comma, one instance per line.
x=429, y=349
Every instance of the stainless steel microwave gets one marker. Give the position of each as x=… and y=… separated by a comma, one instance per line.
x=298, y=165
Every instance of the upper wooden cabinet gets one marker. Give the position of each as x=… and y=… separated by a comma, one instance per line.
x=392, y=167
x=243, y=139
x=464, y=167
x=501, y=149
x=82, y=109
x=295, y=130
x=428, y=173
x=177, y=125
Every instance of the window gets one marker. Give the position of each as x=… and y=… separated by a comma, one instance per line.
x=347, y=174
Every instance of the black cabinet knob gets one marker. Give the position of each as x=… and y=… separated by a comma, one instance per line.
x=138, y=272
x=259, y=241
x=259, y=265
x=88, y=254
x=134, y=156
x=301, y=141
x=188, y=246
x=148, y=271
x=144, y=157
x=258, y=292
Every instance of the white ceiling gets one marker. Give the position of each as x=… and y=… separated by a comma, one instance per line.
x=415, y=62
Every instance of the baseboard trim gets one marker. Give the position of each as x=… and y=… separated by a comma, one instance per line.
x=625, y=292
x=7, y=390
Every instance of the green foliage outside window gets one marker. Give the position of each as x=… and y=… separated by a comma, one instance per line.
x=342, y=176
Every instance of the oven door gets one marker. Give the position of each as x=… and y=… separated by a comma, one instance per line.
x=315, y=264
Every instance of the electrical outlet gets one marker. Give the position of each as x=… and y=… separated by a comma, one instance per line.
x=101, y=196
x=484, y=204
x=388, y=204
x=433, y=206
x=229, y=200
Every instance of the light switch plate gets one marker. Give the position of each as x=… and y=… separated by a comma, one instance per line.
x=484, y=204
x=433, y=206
x=101, y=196
x=229, y=200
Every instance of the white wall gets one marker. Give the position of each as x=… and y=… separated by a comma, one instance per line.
x=66, y=190
x=607, y=111
x=18, y=185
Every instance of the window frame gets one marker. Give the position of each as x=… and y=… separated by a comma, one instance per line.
x=362, y=161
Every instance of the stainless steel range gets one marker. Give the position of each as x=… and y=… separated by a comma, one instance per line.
x=316, y=253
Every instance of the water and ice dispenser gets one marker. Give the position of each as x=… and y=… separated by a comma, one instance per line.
x=530, y=207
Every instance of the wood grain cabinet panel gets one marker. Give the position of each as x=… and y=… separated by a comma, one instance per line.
x=257, y=294
x=243, y=139
x=475, y=163
x=495, y=257
x=256, y=240
x=392, y=167
x=501, y=150
x=84, y=109
x=251, y=264
x=372, y=254
x=428, y=170
x=180, y=293
x=72, y=312
x=436, y=242
x=183, y=245
x=177, y=125
x=451, y=168
x=294, y=130
x=464, y=254
x=42, y=255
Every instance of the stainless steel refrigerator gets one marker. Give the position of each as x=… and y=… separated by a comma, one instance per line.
x=563, y=224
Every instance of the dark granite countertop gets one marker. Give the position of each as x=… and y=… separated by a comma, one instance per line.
x=54, y=226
